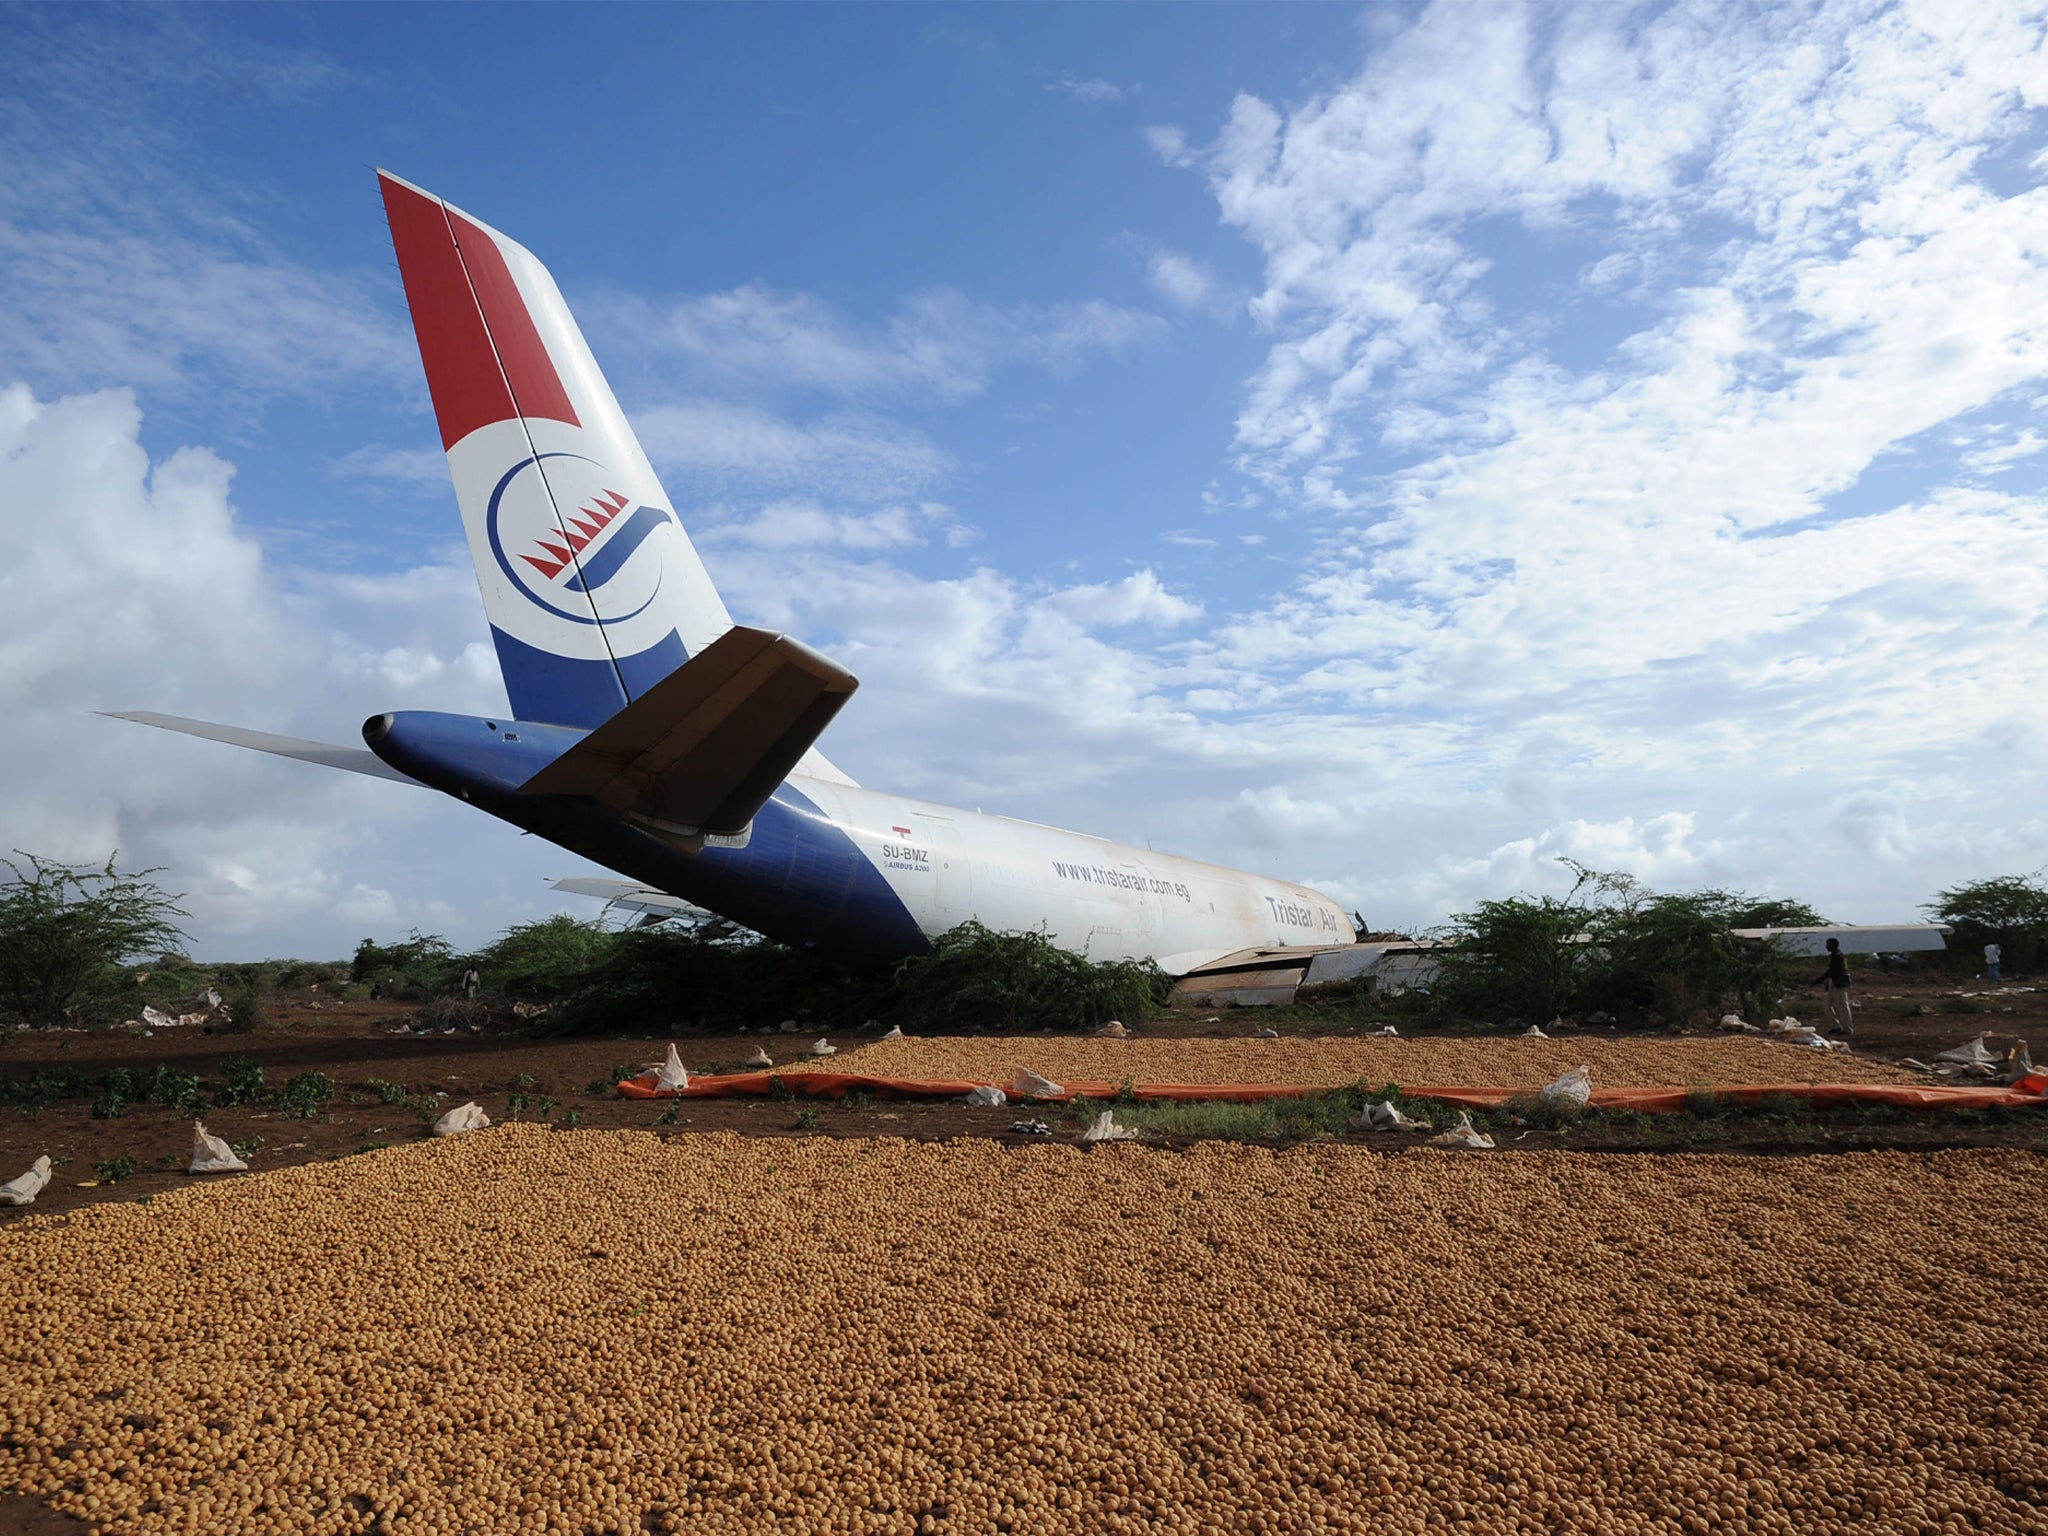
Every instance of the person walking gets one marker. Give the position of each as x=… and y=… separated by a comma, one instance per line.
x=1991, y=954
x=1836, y=979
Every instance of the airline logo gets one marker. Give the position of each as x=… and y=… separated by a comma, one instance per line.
x=588, y=548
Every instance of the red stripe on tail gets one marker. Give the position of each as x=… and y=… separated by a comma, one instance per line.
x=451, y=293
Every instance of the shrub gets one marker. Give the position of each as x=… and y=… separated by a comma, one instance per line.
x=65, y=931
x=305, y=1095
x=975, y=978
x=422, y=966
x=241, y=1083
x=2010, y=911
x=542, y=961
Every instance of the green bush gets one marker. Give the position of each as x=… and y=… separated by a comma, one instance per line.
x=977, y=979
x=241, y=1083
x=541, y=961
x=65, y=932
x=305, y=1095
x=2010, y=911
x=715, y=974
x=422, y=966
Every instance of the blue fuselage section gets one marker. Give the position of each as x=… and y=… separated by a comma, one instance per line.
x=799, y=878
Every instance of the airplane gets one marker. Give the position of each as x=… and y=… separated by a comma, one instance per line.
x=652, y=735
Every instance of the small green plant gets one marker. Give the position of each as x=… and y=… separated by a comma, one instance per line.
x=241, y=1082
x=571, y=1119
x=181, y=1091
x=112, y=1170
x=522, y=1079
x=116, y=1087
x=387, y=1093
x=1126, y=1092
x=620, y=1072
x=247, y=1147
x=305, y=1095
x=545, y=1105
x=516, y=1104
x=807, y=1118
x=673, y=1115
x=601, y=1087
x=778, y=1090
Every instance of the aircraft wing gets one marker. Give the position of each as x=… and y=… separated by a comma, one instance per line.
x=702, y=750
x=354, y=759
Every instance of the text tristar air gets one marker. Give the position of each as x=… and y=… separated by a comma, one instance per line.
x=653, y=735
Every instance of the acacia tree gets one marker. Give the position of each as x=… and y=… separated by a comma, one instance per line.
x=2010, y=911
x=66, y=928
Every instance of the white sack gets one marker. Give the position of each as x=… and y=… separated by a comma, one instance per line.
x=1113, y=1030
x=1572, y=1091
x=1463, y=1134
x=23, y=1191
x=760, y=1058
x=1029, y=1085
x=1389, y=1030
x=895, y=1032
x=1105, y=1128
x=469, y=1117
x=671, y=1074
x=1534, y=1032
x=212, y=1155
x=824, y=1047
x=155, y=1020
x=1975, y=1054
x=1385, y=1117
x=1734, y=1021
x=1267, y=1034
x=2018, y=1063
x=987, y=1098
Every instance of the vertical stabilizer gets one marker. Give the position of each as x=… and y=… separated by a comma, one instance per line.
x=593, y=589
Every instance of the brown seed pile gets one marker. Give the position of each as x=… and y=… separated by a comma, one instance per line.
x=520, y=1330
x=1512, y=1062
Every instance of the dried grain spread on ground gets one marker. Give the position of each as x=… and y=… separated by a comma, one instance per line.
x=1444, y=1062
x=523, y=1330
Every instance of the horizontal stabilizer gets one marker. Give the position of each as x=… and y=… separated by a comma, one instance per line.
x=702, y=750
x=354, y=759
x=629, y=896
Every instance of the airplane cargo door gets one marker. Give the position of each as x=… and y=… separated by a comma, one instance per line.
x=952, y=874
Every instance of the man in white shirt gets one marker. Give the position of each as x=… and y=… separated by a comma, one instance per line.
x=1991, y=962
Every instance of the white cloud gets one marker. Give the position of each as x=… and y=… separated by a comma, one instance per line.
x=143, y=591
x=842, y=453
x=807, y=525
x=1140, y=598
x=420, y=467
x=938, y=343
x=1094, y=92
x=1181, y=279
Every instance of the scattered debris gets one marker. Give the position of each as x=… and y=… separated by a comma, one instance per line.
x=1113, y=1030
x=212, y=1155
x=986, y=1097
x=1972, y=1060
x=787, y=1026
x=1385, y=1117
x=1029, y=1085
x=1388, y=1030
x=760, y=1058
x=23, y=1191
x=895, y=1030
x=1267, y=1034
x=1735, y=1021
x=1030, y=1128
x=1534, y=1032
x=2018, y=1064
x=1912, y=1064
x=824, y=1047
x=1463, y=1134
x=1105, y=1128
x=1571, y=1091
x=467, y=1117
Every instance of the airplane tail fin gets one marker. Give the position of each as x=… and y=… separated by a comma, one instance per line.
x=593, y=589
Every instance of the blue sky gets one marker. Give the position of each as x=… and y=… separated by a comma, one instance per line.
x=1390, y=447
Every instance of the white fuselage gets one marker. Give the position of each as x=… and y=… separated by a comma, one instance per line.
x=1102, y=899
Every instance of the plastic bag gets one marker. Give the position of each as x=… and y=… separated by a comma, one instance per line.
x=1388, y=1030
x=760, y=1058
x=1534, y=1032
x=23, y=1191
x=824, y=1047
x=1572, y=1091
x=1463, y=1134
x=1029, y=1085
x=212, y=1155
x=1030, y=1128
x=469, y=1117
x=1734, y=1021
x=2019, y=1066
x=1975, y=1054
x=1113, y=1030
x=1105, y=1128
x=987, y=1098
x=895, y=1033
x=1267, y=1034
x=668, y=1075
x=1385, y=1117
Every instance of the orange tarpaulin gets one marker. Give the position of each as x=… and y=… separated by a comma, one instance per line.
x=835, y=1085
